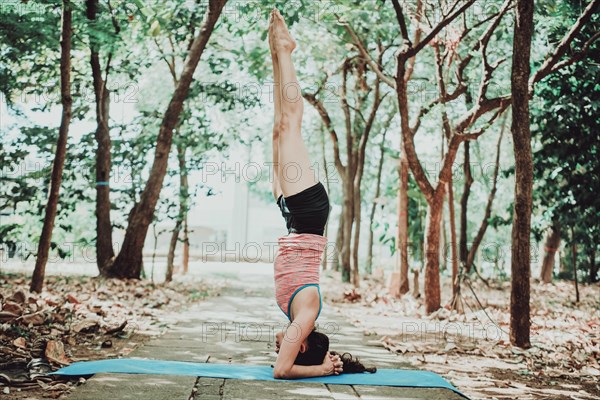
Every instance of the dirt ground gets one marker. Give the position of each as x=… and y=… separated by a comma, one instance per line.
x=473, y=349
x=83, y=318
x=80, y=319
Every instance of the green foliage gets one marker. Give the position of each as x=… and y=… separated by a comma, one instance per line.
x=227, y=104
x=567, y=145
x=29, y=38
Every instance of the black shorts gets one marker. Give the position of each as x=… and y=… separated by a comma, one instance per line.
x=307, y=211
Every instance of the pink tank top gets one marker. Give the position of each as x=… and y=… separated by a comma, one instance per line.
x=297, y=265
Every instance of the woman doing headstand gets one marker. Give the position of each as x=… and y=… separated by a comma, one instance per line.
x=304, y=204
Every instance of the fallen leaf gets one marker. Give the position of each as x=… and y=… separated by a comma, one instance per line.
x=19, y=297
x=55, y=352
x=34, y=319
x=72, y=299
x=85, y=325
x=52, y=303
x=6, y=316
x=20, y=342
x=12, y=307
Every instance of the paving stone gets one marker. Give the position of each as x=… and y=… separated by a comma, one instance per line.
x=209, y=388
x=386, y=393
x=342, y=392
x=134, y=387
x=264, y=390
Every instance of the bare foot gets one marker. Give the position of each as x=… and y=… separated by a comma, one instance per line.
x=282, y=40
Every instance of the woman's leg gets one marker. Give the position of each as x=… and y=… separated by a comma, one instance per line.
x=277, y=119
x=295, y=172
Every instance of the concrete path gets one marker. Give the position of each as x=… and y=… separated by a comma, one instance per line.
x=239, y=327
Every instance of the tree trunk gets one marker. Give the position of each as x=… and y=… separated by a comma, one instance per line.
x=574, y=252
x=444, y=236
x=443, y=243
x=593, y=266
x=356, y=241
x=574, y=261
x=416, y=293
x=432, y=252
x=128, y=263
x=104, y=246
x=402, y=237
x=488, y=208
x=339, y=240
x=403, y=167
x=455, y=283
x=348, y=216
x=374, y=204
x=186, y=244
x=183, y=196
x=369, y=265
x=352, y=173
x=550, y=247
x=172, y=247
x=37, y=280
x=434, y=197
x=185, y=192
x=358, y=166
x=563, y=267
x=521, y=227
x=464, y=205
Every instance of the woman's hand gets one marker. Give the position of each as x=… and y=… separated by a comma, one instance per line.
x=332, y=364
x=278, y=339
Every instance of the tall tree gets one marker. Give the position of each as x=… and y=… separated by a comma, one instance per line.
x=520, y=129
x=521, y=229
x=357, y=128
x=564, y=128
x=462, y=128
x=37, y=280
x=128, y=263
x=181, y=218
x=376, y=196
x=104, y=246
x=485, y=221
x=550, y=248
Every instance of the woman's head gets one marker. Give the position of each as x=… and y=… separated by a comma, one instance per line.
x=313, y=350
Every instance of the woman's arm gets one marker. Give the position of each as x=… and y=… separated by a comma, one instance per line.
x=332, y=365
x=300, y=371
x=293, y=340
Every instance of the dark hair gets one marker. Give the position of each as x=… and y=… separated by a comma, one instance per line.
x=317, y=347
x=353, y=365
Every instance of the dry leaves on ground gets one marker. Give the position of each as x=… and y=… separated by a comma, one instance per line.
x=79, y=318
x=474, y=349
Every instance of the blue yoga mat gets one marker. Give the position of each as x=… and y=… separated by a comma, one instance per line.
x=383, y=377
